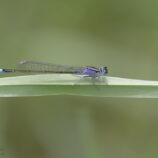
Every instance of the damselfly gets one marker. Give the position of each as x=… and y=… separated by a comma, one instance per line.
x=39, y=67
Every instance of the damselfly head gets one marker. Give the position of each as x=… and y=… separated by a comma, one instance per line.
x=104, y=70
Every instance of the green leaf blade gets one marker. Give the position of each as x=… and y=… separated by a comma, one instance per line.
x=64, y=84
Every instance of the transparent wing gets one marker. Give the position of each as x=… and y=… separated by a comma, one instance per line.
x=40, y=66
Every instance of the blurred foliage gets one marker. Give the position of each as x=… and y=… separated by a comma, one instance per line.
x=120, y=34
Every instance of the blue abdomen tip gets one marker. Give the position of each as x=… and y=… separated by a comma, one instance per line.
x=1, y=70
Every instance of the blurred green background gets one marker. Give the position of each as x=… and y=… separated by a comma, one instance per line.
x=122, y=35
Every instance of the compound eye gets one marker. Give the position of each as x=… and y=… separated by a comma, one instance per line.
x=104, y=69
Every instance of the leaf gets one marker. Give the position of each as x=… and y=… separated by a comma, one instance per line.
x=65, y=84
